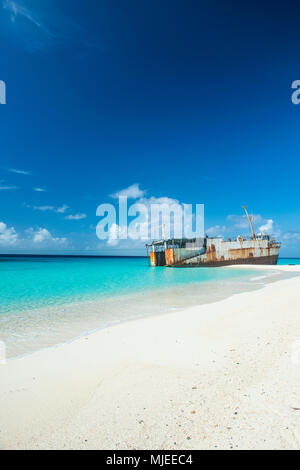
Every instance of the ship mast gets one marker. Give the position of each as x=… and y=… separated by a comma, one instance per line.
x=250, y=222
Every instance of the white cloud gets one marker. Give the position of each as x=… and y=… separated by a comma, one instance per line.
x=75, y=217
x=16, y=9
x=291, y=236
x=159, y=200
x=60, y=210
x=241, y=221
x=291, y=242
x=42, y=235
x=45, y=25
x=44, y=208
x=156, y=222
x=39, y=190
x=116, y=231
x=216, y=230
x=31, y=239
x=8, y=236
x=28, y=25
x=7, y=188
x=267, y=227
x=132, y=192
x=19, y=172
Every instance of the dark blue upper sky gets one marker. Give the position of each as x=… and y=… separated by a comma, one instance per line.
x=189, y=99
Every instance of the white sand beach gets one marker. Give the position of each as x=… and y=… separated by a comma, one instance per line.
x=224, y=375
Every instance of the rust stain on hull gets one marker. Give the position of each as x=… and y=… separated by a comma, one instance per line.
x=157, y=258
x=266, y=260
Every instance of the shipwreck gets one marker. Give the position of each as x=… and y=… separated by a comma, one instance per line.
x=214, y=251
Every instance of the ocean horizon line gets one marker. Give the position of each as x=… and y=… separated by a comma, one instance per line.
x=58, y=255
x=46, y=255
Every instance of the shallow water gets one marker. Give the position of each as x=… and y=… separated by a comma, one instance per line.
x=27, y=283
x=45, y=301
x=287, y=261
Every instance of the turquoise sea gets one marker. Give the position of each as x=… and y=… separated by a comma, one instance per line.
x=47, y=300
x=295, y=261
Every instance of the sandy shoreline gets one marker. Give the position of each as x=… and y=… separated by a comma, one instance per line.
x=220, y=375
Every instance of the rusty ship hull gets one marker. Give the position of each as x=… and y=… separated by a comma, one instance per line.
x=214, y=252
x=264, y=260
x=209, y=252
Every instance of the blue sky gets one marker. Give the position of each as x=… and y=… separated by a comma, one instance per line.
x=186, y=100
